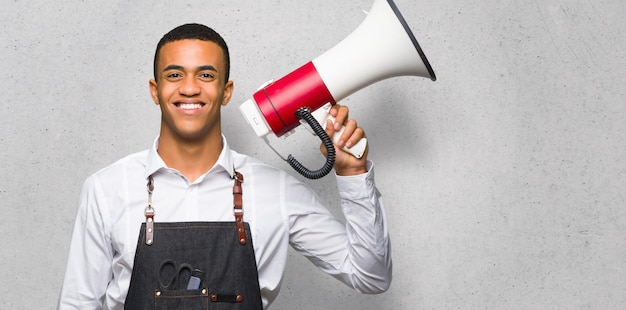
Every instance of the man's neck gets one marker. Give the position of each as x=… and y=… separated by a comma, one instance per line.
x=192, y=158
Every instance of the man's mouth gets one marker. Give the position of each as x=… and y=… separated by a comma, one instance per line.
x=189, y=106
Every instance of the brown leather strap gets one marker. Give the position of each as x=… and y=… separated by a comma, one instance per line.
x=238, y=207
x=232, y=298
x=149, y=212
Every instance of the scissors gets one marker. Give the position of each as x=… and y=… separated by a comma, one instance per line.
x=173, y=276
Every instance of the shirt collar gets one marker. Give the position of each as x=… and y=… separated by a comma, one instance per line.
x=155, y=163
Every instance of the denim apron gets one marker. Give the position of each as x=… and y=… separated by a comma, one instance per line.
x=195, y=265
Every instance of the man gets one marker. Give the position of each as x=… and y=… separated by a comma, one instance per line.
x=158, y=228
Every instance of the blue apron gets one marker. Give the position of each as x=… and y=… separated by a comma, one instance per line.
x=195, y=265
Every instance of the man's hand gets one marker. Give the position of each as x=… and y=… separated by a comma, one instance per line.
x=345, y=163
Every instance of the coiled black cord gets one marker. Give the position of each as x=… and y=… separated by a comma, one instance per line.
x=305, y=114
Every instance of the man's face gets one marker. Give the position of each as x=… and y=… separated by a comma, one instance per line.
x=191, y=89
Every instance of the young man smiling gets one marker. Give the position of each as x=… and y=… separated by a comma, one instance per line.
x=190, y=86
x=184, y=203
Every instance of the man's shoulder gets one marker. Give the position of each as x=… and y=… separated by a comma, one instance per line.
x=134, y=163
x=252, y=165
x=243, y=161
x=117, y=176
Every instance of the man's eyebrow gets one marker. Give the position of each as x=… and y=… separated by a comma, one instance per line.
x=181, y=68
x=174, y=67
x=207, y=67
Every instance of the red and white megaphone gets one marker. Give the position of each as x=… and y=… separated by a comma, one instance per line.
x=381, y=47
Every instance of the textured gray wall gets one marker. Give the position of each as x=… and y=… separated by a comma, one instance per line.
x=504, y=180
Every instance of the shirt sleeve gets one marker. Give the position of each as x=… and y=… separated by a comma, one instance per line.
x=88, y=270
x=357, y=252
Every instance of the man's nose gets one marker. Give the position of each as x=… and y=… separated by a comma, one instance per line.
x=189, y=86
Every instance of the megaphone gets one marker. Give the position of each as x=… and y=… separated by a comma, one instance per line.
x=381, y=47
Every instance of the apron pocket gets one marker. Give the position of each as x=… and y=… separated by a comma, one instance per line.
x=181, y=299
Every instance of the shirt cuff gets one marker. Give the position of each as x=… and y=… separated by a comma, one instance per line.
x=357, y=186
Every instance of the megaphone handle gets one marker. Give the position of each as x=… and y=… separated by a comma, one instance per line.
x=357, y=149
x=322, y=115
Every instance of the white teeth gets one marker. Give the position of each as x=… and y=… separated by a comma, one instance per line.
x=190, y=106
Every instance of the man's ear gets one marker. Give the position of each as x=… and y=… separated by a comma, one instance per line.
x=228, y=92
x=154, y=93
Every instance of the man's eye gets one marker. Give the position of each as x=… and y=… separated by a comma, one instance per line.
x=174, y=75
x=207, y=76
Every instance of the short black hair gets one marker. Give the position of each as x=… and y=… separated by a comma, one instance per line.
x=193, y=32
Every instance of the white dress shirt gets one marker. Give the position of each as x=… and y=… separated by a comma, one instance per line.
x=281, y=211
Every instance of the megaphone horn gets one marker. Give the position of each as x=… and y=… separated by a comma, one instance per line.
x=381, y=47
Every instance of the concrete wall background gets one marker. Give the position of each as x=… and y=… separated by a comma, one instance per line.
x=504, y=180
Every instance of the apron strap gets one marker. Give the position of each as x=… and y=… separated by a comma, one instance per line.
x=149, y=212
x=238, y=207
